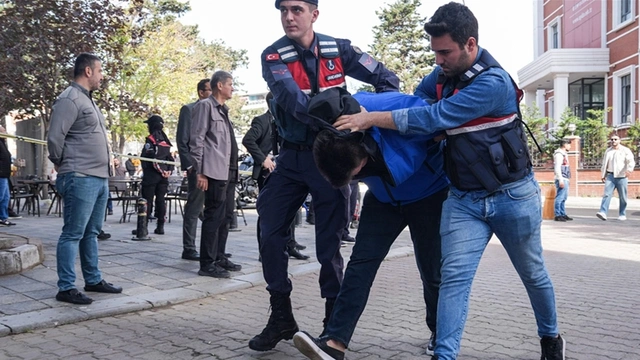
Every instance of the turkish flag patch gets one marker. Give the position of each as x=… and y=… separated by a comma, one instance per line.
x=273, y=57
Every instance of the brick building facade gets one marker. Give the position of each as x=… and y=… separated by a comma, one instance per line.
x=585, y=57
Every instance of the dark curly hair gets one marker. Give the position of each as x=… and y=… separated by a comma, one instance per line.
x=454, y=19
x=337, y=156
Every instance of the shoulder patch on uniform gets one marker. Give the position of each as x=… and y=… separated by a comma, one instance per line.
x=368, y=62
x=280, y=72
x=356, y=49
x=147, y=146
x=272, y=57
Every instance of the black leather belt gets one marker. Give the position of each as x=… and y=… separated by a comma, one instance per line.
x=294, y=146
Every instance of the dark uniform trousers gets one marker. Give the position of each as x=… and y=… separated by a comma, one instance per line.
x=284, y=191
x=214, y=218
x=156, y=190
x=264, y=173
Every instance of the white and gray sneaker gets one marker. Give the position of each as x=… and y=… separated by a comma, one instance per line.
x=601, y=215
x=6, y=222
x=431, y=345
x=315, y=348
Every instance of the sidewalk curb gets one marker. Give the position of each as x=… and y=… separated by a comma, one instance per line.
x=53, y=317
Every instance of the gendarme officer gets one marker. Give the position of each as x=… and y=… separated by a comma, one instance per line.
x=155, y=176
x=296, y=67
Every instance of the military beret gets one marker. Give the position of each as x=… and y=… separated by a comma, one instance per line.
x=313, y=2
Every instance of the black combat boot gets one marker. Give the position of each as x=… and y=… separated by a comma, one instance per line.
x=328, y=309
x=281, y=325
x=159, y=229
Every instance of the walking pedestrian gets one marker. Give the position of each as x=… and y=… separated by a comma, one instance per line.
x=562, y=174
x=617, y=165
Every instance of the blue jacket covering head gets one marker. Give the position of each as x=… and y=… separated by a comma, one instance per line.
x=414, y=162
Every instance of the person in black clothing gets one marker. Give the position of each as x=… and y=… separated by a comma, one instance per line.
x=155, y=175
x=5, y=173
x=258, y=141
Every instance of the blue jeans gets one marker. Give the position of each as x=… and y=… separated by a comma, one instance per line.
x=85, y=201
x=561, y=198
x=4, y=198
x=469, y=219
x=619, y=184
x=380, y=225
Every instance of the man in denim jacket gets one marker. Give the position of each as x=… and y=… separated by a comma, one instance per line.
x=493, y=190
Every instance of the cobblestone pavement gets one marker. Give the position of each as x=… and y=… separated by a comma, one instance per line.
x=594, y=266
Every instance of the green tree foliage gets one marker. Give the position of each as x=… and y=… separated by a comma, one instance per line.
x=633, y=138
x=160, y=74
x=154, y=66
x=593, y=132
x=401, y=43
x=39, y=42
x=537, y=124
x=151, y=62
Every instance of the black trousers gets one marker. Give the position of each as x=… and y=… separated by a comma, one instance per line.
x=214, y=218
x=229, y=213
x=155, y=193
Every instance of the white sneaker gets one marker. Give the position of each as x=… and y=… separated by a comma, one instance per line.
x=622, y=218
x=601, y=215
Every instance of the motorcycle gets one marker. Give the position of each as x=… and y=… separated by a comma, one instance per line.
x=247, y=186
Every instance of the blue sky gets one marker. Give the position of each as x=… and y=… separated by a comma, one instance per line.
x=255, y=24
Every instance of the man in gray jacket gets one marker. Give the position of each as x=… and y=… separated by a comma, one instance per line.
x=213, y=149
x=195, y=197
x=78, y=148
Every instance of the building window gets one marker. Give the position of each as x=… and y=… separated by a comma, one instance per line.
x=625, y=99
x=586, y=94
x=554, y=32
x=623, y=11
x=624, y=95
